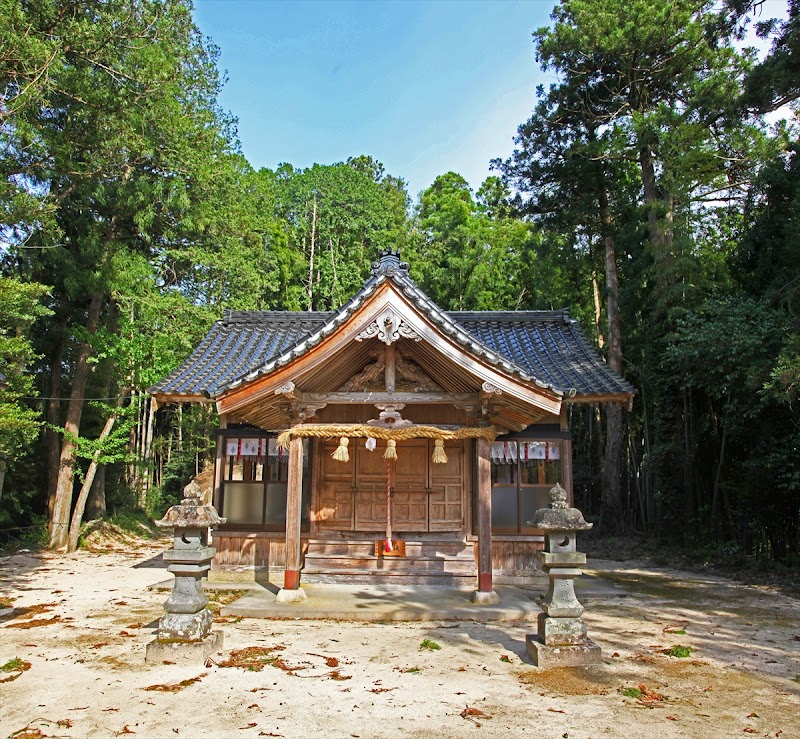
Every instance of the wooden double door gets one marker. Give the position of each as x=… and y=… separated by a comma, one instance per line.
x=425, y=497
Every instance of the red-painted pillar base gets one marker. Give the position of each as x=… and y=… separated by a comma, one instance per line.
x=485, y=582
x=291, y=579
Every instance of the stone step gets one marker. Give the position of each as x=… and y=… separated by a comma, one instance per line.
x=413, y=548
x=363, y=577
x=323, y=563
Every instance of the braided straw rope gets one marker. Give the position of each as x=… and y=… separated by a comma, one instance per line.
x=361, y=431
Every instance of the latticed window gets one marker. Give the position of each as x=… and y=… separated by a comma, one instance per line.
x=523, y=471
x=254, y=480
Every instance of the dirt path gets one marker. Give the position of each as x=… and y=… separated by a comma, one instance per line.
x=81, y=623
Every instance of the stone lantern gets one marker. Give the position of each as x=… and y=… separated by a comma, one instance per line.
x=561, y=640
x=184, y=631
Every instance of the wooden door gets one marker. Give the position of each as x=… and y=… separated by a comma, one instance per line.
x=351, y=496
x=409, y=488
x=449, y=483
x=334, y=504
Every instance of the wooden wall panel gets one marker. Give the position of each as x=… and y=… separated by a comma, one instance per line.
x=240, y=551
x=516, y=558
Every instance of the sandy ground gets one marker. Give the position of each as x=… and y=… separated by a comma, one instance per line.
x=80, y=623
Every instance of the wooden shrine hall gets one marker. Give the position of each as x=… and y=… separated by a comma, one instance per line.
x=389, y=441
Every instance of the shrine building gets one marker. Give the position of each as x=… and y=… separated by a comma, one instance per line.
x=389, y=441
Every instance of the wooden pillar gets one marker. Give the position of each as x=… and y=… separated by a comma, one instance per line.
x=294, y=505
x=389, y=371
x=219, y=464
x=484, y=594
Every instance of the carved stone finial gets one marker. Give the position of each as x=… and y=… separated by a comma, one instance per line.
x=558, y=498
x=559, y=516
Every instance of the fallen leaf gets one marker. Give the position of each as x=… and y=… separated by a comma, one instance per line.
x=672, y=718
x=34, y=623
x=753, y=715
x=125, y=730
x=329, y=661
x=175, y=687
x=505, y=658
x=27, y=733
x=253, y=659
x=100, y=644
x=649, y=695
x=249, y=726
x=336, y=675
x=749, y=730
x=555, y=710
x=470, y=714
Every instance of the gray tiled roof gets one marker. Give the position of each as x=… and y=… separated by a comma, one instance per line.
x=546, y=344
x=544, y=347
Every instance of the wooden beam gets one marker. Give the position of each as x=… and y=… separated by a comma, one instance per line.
x=390, y=367
x=345, y=398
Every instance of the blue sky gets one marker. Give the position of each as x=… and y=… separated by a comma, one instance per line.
x=424, y=87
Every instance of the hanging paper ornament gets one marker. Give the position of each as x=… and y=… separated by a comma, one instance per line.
x=439, y=454
x=371, y=444
x=341, y=454
x=391, y=451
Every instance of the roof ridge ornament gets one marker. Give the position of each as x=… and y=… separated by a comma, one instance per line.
x=389, y=264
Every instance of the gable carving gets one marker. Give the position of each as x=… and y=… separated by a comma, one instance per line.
x=411, y=378
x=388, y=327
x=371, y=377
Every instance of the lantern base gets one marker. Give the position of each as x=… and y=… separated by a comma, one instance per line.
x=570, y=655
x=178, y=651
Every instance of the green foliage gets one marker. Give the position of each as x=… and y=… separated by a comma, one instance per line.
x=20, y=307
x=431, y=646
x=679, y=650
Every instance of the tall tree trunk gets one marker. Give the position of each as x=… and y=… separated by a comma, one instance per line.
x=660, y=222
x=311, y=258
x=54, y=420
x=598, y=312
x=96, y=505
x=80, y=503
x=612, y=508
x=688, y=487
x=148, y=446
x=59, y=523
x=3, y=465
